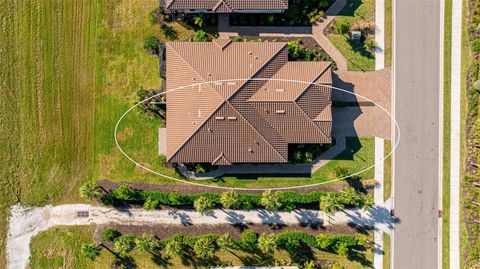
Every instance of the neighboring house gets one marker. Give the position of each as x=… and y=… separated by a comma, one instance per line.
x=226, y=121
x=225, y=6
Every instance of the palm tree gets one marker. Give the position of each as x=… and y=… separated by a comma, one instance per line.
x=229, y=199
x=225, y=242
x=330, y=204
x=349, y=196
x=174, y=246
x=199, y=20
x=89, y=190
x=146, y=243
x=90, y=251
x=367, y=201
x=267, y=243
x=203, y=205
x=124, y=244
x=270, y=200
x=204, y=248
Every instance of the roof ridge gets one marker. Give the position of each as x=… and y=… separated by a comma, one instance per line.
x=311, y=121
x=258, y=132
x=220, y=2
x=311, y=82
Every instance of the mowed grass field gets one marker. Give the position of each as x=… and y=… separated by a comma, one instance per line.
x=47, y=84
x=68, y=70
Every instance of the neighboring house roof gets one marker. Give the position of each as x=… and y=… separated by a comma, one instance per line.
x=226, y=6
x=247, y=120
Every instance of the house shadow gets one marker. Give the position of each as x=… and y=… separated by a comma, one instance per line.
x=350, y=8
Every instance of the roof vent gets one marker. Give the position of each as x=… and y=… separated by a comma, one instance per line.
x=256, y=57
x=232, y=118
x=250, y=150
x=210, y=130
x=280, y=90
x=266, y=110
x=231, y=83
x=280, y=111
x=199, y=113
x=218, y=83
x=250, y=52
x=219, y=118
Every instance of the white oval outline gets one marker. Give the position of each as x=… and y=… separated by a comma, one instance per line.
x=255, y=189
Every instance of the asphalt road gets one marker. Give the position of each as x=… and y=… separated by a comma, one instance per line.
x=417, y=52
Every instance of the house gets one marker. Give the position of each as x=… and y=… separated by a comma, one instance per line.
x=225, y=6
x=239, y=102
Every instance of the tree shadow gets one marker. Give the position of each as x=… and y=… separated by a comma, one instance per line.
x=185, y=219
x=160, y=261
x=350, y=8
x=307, y=218
x=126, y=262
x=271, y=219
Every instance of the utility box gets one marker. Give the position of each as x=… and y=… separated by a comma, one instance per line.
x=355, y=35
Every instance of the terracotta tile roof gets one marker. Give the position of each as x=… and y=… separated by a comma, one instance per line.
x=234, y=119
x=227, y=6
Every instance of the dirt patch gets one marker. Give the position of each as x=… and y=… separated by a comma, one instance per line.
x=109, y=185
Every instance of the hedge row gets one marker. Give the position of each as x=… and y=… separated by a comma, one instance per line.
x=289, y=200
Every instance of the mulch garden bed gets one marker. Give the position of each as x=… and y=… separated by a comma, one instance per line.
x=163, y=231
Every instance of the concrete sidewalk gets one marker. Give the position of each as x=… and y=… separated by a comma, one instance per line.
x=379, y=34
x=25, y=222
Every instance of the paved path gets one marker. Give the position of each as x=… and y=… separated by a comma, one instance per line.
x=416, y=160
x=455, y=132
x=319, y=36
x=379, y=200
x=27, y=222
x=380, y=34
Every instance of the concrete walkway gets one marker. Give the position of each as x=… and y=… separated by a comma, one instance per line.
x=319, y=36
x=25, y=222
x=379, y=200
x=455, y=131
x=380, y=34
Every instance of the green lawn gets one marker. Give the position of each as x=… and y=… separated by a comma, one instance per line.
x=446, y=135
x=386, y=251
x=60, y=248
x=359, y=155
x=357, y=57
x=387, y=166
x=388, y=32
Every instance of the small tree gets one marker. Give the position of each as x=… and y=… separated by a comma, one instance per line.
x=369, y=45
x=330, y=204
x=151, y=44
x=324, y=241
x=150, y=204
x=174, y=246
x=203, y=205
x=200, y=36
x=199, y=20
x=109, y=235
x=204, y=247
x=89, y=190
x=146, y=243
x=229, y=199
x=124, y=244
x=341, y=249
x=225, y=242
x=361, y=239
x=349, y=196
x=267, y=243
x=90, y=251
x=175, y=198
x=270, y=200
x=342, y=26
x=341, y=172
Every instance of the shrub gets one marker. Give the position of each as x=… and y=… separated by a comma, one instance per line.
x=151, y=44
x=175, y=198
x=341, y=172
x=330, y=204
x=90, y=251
x=309, y=265
x=337, y=266
x=342, y=26
x=229, y=199
x=109, y=235
x=476, y=86
x=125, y=192
x=174, y=246
x=198, y=19
x=341, y=249
x=203, y=205
x=168, y=31
x=146, y=242
x=315, y=15
x=270, y=200
x=225, y=242
x=249, y=239
x=361, y=239
x=237, y=39
x=350, y=197
x=200, y=36
x=150, y=204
